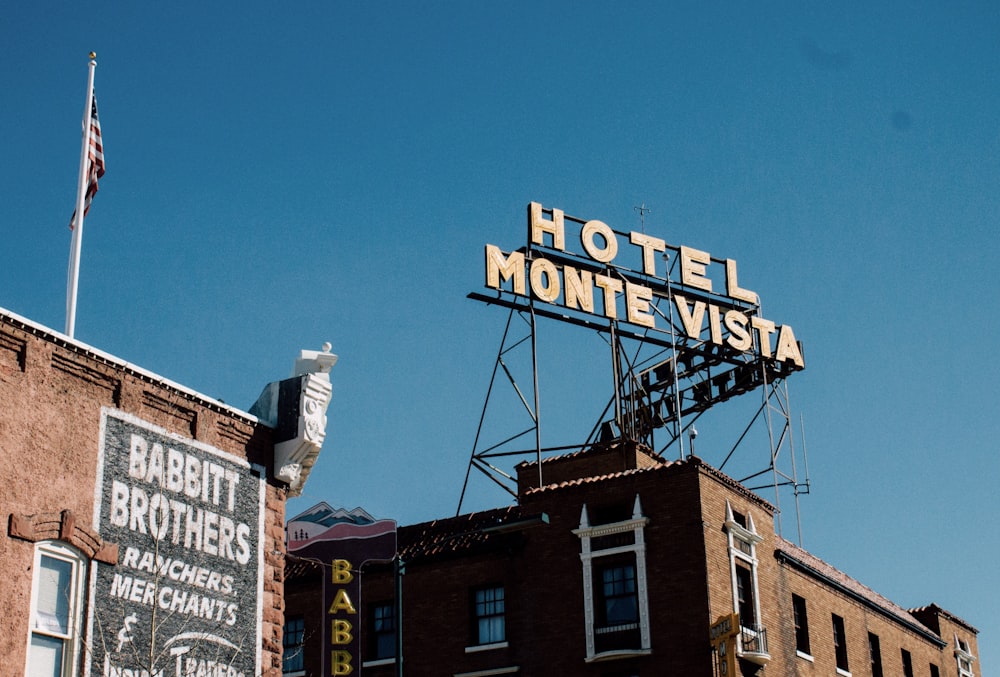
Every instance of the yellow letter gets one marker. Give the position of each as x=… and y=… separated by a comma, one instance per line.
x=610, y=286
x=579, y=288
x=340, y=632
x=762, y=326
x=693, y=262
x=649, y=245
x=497, y=265
x=692, y=318
x=340, y=662
x=733, y=285
x=341, y=602
x=637, y=298
x=739, y=337
x=544, y=268
x=714, y=325
x=788, y=347
x=539, y=226
x=340, y=572
x=591, y=228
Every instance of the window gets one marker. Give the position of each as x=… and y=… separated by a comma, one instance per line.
x=488, y=616
x=292, y=643
x=744, y=595
x=743, y=540
x=934, y=671
x=964, y=658
x=907, y=664
x=875, y=652
x=613, y=555
x=56, y=601
x=801, y=624
x=617, y=601
x=621, y=606
x=840, y=642
x=382, y=635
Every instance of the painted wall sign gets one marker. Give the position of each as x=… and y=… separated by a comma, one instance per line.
x=624, y=276
x=343, y=541
x=185, y=597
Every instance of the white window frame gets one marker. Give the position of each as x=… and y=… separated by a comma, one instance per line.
x=71, y=639
x=743, y=542
x=963, y=656
x=586, y=533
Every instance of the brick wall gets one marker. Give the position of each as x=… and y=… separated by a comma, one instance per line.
x=690, y=586
x=52, y=391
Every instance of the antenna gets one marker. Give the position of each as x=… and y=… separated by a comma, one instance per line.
x=643, y=210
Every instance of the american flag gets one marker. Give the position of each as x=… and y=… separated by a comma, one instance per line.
x=95, y=160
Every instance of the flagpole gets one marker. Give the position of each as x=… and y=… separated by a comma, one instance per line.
x=74, y=250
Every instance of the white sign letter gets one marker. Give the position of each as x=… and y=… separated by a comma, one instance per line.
x=540, y=226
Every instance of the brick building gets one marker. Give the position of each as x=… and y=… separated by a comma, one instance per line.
x=144, y=522
x=622, y=564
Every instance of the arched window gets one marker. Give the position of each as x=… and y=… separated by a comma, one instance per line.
x=57, y=584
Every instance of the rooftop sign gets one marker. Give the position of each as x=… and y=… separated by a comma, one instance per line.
x=586, y=270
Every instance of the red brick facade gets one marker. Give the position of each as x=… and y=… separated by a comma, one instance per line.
x=53, y=390
x=687, y=513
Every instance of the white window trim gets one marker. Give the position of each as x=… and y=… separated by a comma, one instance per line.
x=513, y=669
x=72, y=640
x=748, y=535
x=376, y=663
x=585, y=533
x=486, y=647
x=962, y=652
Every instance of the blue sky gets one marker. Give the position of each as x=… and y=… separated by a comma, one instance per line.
x=280, y=176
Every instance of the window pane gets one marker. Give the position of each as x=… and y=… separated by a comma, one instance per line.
x=622, y=611
x=621, y=605
x=53, y=603
x=46, y=656
x=292, y=659
x=801, y=624
x=489, y=612
x=744, y=596
x=491, y=630
x=840, y=642
x=382, y=643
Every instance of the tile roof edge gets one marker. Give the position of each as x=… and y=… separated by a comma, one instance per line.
x=810, y=564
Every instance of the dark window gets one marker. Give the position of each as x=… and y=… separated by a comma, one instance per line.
x=382, y=631
x=609, y=514
x=488, y=615
x=801, y=624
x=292, y=641
x=617, y=611
x=875, y=652
x=621, y=606
x=840, y=642
x=744, y=596
x=934, y=671
x=907, y=664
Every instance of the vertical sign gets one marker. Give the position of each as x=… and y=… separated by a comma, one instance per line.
x=343, y=542
x=185, y=596
x=723, y=637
